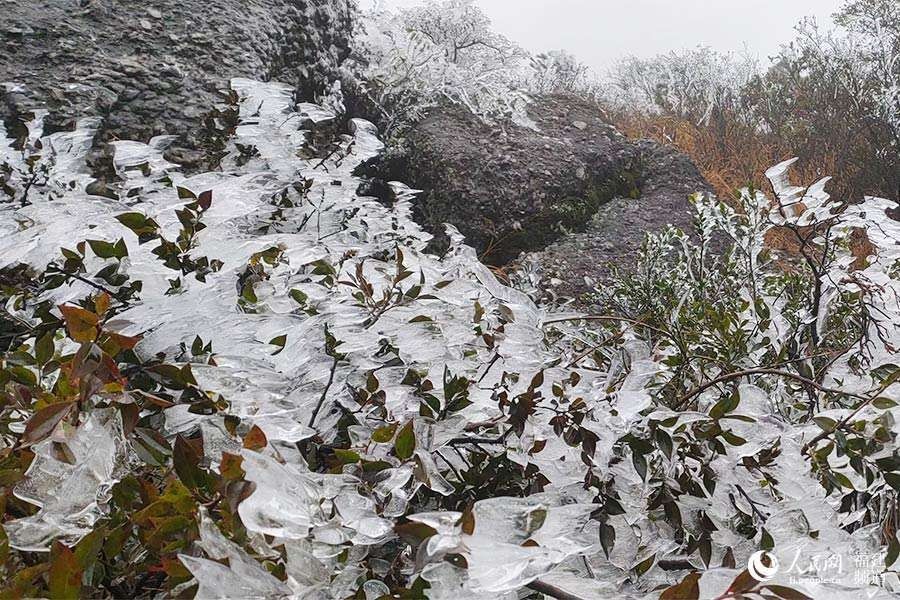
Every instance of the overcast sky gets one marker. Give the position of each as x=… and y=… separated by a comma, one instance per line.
x=601, y=31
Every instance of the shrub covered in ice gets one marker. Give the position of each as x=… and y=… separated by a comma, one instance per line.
x=255, y=382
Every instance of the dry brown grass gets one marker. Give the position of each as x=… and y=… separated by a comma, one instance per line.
x=732, y=156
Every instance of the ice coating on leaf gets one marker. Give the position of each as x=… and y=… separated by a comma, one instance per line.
x=284, y=502
x=70, y=496
x=243, y=577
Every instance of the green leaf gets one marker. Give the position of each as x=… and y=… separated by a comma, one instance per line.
x=23, y=375
x=884, y=403
x=89, y=547
x=734, y=440
x=843, y=480
x=372, y=382
x=4, y=545
x=279, y=341
x=891, y=379
x=120, y=249
x=44, y=348
x=347, y=457
x=186, y=194
x=893, y=552
x=725, y=406
x=607, y=538
x=893, y=480
x=186, y=461
x=405, y=444
x=43, y=422
x=664, y=441
x=640, y=464
x=825, y=423
x=385, y=434
x=102, y=249
x=143, y=227
x=645, y=565
x=248, y=293
x=151, y=447
x=132, y=220
x=613, y=507
x=766, y=542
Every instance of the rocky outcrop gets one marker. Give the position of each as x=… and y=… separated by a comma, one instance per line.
x=153, y=68
x=511, y=189
x=572, y=266
x=570, y=194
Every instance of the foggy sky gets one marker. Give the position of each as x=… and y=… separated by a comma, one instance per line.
x=601, y=31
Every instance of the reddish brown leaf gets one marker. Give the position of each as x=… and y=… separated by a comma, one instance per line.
x=414, y=533
x=101, y=303
x=81, y=324
x=688, y=589
x=468, y=520
x=43, y=422
x=255, y=439
x=742, y=583
x=124, y=342
x=205, y=199
x=65, y=574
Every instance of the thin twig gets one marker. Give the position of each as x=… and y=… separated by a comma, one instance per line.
x=840, y=424
x=96, y=286
x=489, y=366
x=312, y=419
x=759, y=514
x=611, y=319
x=547, y=589
x=765, y=371
x=594, y=348
x=459, y=477
x=462, y=441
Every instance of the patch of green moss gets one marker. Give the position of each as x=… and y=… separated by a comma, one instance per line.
x=572, y=213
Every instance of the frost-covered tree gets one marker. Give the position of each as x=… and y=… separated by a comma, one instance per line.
x=875, y=24
x=692, y=84
x=830, y=96
x=461, y=30
x=834, y=96
x=559, y=71
x=411, y=60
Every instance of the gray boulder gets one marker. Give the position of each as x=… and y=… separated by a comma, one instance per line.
x=512, y=189
x=572, y=195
